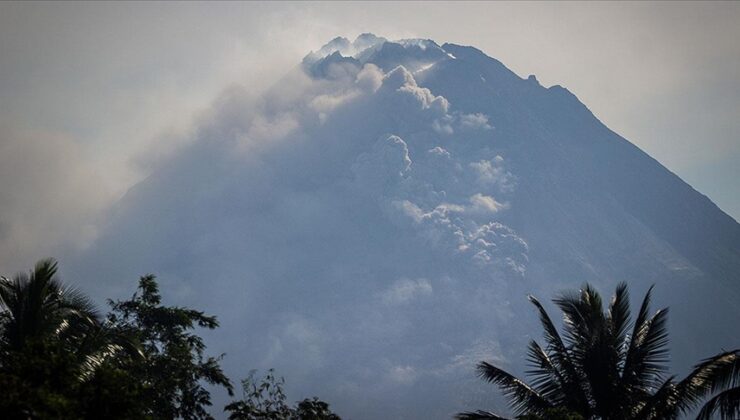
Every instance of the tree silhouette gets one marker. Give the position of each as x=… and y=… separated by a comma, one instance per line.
x=265, y=400
x=60, y=359
x=51, y=343
x=36, y=306
x=175, y=365
x=604, y=366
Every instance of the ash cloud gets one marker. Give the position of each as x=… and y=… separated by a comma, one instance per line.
x=301, y=218
x=46, y=173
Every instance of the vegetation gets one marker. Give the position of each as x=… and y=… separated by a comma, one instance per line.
x=266, y=400
x=52, y=344
x=606, y=367
x=175, y=367
x=59, y=358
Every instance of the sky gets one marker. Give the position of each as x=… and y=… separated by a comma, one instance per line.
x=94, y=96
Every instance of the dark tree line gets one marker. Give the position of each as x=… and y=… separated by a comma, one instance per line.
x=61, y=359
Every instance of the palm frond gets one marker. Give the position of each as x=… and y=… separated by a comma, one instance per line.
x=658, y=405
x=647, y=353
x=76, y=303
x=619, y=314
x=592, y=298
x=572, y=379
x=711, y=375
x=726, y=404
x=654, y=345
x=547, y=379
x=479, y=415
x=582, y=316
x=642, y=317
x=44, y=272
x=552, y=336
x=522, y=398
x=29, y=303
x=727, y=375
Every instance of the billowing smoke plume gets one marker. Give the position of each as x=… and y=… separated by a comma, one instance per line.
x=340, y=229
x=371, y=225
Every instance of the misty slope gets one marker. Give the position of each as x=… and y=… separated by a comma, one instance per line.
x=371, y=226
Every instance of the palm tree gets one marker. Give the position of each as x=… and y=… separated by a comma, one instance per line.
x=606, y=367
x=37, y=306
x=724, y=384
x=53, y=346
x=36, y=309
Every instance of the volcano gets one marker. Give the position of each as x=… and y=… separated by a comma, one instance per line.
x=371, y=225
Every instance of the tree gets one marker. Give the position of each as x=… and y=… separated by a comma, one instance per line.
x=314, y=409
x=606, y=367
x=51, y=343
x=265, y=400
x=722, y=373
x=59, y=359
x=175, y=367
x=548, y=414
x=37, y=306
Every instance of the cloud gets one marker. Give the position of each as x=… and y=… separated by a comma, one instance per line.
x=328, y=212
x=446, y=226
x=401, y=81
x=127, y=98
x=492, y=172
x=475, y=121
x=403, y=375
x=406, y=290
x=483, y=204
x=51, y=194
x=481, y=350
x=298, y=341
x=439, y=151
x=370, y=78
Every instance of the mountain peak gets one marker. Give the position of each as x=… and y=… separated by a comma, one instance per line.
x=345, y=48
x=415, y=54
x=398, y=205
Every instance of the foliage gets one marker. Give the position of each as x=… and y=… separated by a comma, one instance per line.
x=51, y=342
x=547, y=414
x=266, y=400
x=175, y=365
x=553, y=414
x=37, y=306
x=720, y=376
x=59, y=359
x=36, y=382
x=314, y=409
x=263, y=400
x=604, y=366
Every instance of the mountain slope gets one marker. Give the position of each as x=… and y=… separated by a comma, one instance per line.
x=372, y=225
